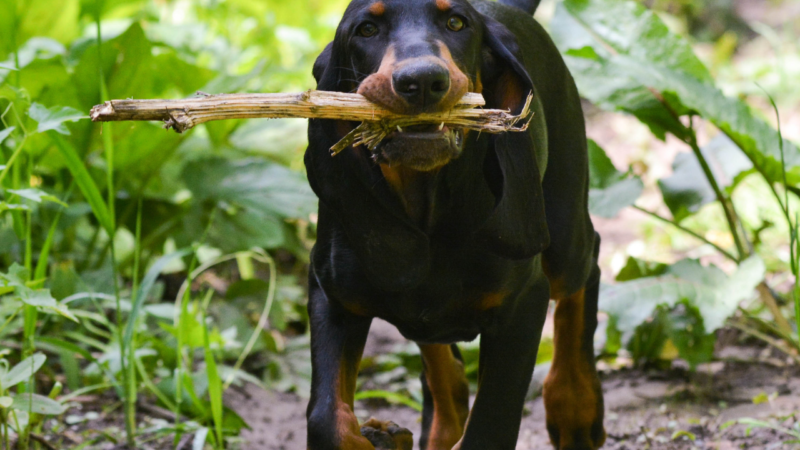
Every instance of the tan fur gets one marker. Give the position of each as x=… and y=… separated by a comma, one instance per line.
x=449, y=389
x=377, y=9
x=570, y=389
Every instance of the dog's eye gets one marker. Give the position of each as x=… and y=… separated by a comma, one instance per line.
x=367, y=30
x=456, y=23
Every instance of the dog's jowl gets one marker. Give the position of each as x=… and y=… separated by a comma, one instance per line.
x=449, y=234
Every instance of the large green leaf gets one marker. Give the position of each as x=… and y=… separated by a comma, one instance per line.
x=257, y=185
x=255, y=198
x=708, y=289
x=610, y=190
x=624, y=58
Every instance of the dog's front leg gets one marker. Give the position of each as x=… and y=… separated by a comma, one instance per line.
x=337, y=343
x=507, y=357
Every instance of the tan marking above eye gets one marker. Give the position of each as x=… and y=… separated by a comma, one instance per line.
x=443, y=5
x=377, y=9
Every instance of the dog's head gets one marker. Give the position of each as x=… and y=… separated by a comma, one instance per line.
x=415, y=56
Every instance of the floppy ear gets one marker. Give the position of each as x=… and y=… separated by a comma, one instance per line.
x=517, y=228
x=322, y=62
x=505, y=80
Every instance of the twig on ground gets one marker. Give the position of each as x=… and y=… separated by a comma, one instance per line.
x=775, y=343
x=182, y=115
x=43, y=441
x=156, y=411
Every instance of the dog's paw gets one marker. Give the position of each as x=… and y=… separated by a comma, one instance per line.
x=387, y=435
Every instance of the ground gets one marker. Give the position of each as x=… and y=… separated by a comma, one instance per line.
x=644, y=410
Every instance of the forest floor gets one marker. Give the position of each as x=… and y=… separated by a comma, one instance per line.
x=669, y=410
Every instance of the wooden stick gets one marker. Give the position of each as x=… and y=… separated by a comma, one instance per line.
x=182, y=115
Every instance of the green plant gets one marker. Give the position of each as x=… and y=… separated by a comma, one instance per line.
x=793, y=433
x=87, y=212
x=24, y=410
x=625, y=59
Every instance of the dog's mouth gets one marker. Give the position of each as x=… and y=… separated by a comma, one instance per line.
x=421, y=147
x=429, y=132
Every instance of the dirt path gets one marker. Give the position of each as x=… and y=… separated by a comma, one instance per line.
x=644, y=410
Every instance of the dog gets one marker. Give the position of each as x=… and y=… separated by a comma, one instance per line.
x=449, y=234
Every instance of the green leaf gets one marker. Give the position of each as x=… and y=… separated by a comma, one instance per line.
x=85, y=182
x=144, y=290
x=610, y=201
x=610, y=190
x=715, y=295
x=256, y=196
x=23, y=371
x=40, y=298
x=37, y=196
x=687, y=189
x=3, y=135
x=13, y=207
x=391, y=397
x=636, y=268
x=683, y=433
x=54, y=118
x=651, y=73
x=256, y=184
x=44, y=302
x=686, y=331
x=38, y=404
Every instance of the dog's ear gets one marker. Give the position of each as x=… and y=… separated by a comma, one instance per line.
x=505, y=80
x=322, y=62
x=517, y=228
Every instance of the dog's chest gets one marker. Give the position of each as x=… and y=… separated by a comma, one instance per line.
x=455, y=302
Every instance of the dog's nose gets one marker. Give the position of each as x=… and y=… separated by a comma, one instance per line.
x=422, y=84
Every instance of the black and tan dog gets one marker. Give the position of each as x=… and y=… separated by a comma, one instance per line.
x=448, y=234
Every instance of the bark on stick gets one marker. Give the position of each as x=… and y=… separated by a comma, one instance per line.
x=182, y=115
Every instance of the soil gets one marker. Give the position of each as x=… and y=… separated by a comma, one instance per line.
x=670, y=410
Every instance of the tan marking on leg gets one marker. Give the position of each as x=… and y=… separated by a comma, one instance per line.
x=450, y=391
x=348, y=430
x=377, y=9
x=571, y=389
x=558, y=286
x=443, y=5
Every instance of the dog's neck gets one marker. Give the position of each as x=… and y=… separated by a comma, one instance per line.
x=415, y=189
